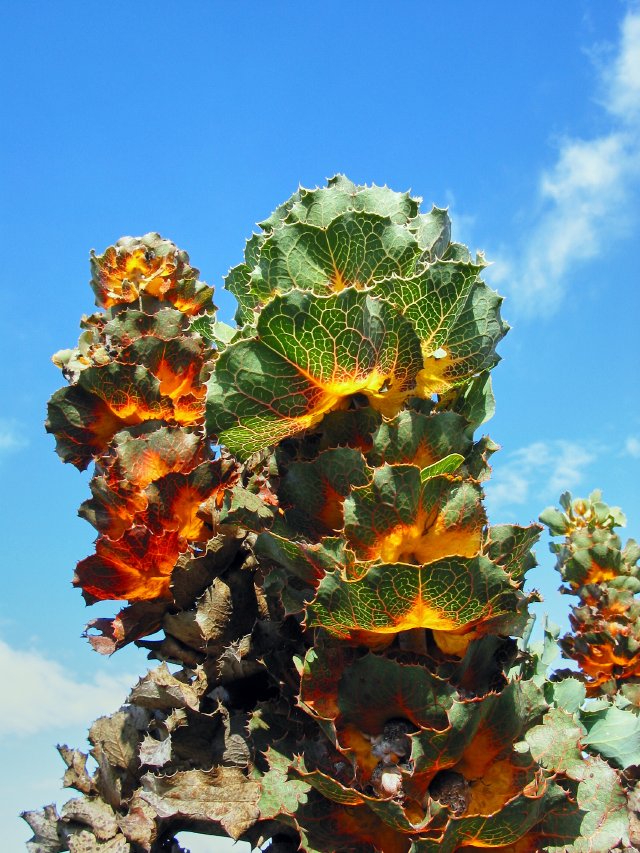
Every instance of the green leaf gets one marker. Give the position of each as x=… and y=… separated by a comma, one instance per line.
x=470, y=346
x=419, y=439
x=447, y=595
x=368, y=691
x=474, y=401
x=555, y=520
x=246, y=509
x=614, y=734
x=312, y=492
x=510, y=547
x=312, y=354
x=447, y=465
x=502, y=829
x=595, y=819
x=433, y=231
x=353, y=249
x=568, y=694
x=399, y=517
x=213, y=330
x=432, y=299
x=555, y=743
x=321, y=206
x=279, y=792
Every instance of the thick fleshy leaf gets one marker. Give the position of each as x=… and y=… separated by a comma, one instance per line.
x=296, y=567
x=433, y=231
x=353, y=249
x=352, y=428
x=322, y=205
x=478, y=745
x=503, y=830
x=326, y=826
x=432, y=299
x=136, y=567
x=568, y=694
x=417, y=439
x=555, y=743
x=614, y=733
x=447, y=465
x=365, y=692
x=510, y=547
x=174, y=500
x=456, y=317
x=312, y=493
x=164, y=518
x=399, y=518
x=595, y=819
x=114, y=505
x=470, y=347
x=148, y=266
x=312, y=355
x=279, y=793
x=125, y=327
x=213, y=330
x=454, y=595
x=246, y=509
x=474, y=401
x=179, y=366
x=85, y=417
x=328, y=238
x=146, y=453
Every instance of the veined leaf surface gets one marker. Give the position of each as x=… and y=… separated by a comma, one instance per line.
x=310, y=355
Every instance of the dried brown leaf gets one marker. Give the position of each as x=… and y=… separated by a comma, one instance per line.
x=224, y=795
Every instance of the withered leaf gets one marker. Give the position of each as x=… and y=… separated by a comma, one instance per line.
x=94, y=813
x=44, y=823
x=83, y=841
x=117, y=737
x=76, y=775
x=159, y=690
x=154, y=752
x=224, y=795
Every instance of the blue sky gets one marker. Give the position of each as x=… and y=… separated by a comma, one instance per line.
x=195, y=120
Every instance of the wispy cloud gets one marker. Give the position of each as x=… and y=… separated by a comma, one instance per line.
x=632, y=446
x=586, y=198
x=11, y=436
x=40, y=694
x=541, y=470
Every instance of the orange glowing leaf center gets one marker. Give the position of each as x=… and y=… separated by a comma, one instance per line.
x=428, y=539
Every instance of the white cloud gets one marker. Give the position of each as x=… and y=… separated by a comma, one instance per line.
x=568, y=466
x=632, y=446
x=622, y=78
x=541, y=471
x=11, y=436
x=39, y=693
x=586, y=197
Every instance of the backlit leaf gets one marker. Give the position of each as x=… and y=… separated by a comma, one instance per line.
x=454, y=595
x=311, y=356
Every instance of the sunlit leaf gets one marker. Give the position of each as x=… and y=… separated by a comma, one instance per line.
x=456, y=594
x=148, y=266
x=311, y=356
x=399, y=518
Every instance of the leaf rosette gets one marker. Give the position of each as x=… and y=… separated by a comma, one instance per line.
x=421, y=768
x=148, y=266
x=605, y=635
x=376, y=551
x=348, y=291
